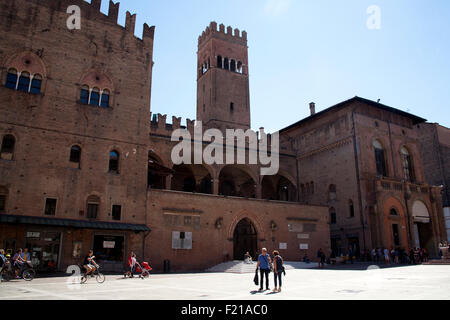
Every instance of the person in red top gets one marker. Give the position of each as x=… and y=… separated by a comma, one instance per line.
x=131, y=263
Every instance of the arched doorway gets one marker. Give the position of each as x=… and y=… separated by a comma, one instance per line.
x=423, y=231
x=244, y=239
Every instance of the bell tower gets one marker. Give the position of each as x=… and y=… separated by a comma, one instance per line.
x=223, y=99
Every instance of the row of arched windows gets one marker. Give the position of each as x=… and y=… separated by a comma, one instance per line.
x=229, y=64
x=381, y=163
x=23, y=81
x=94, y=96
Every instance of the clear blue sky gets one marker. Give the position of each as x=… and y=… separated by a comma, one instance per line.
x=302, y=51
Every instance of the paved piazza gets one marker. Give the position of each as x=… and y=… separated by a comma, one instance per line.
x=400, y=283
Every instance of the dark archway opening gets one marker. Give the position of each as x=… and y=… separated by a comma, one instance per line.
x=245, y=240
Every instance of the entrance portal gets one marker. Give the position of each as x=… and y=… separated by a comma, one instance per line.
x=245, y=239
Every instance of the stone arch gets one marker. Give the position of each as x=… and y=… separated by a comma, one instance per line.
x=244, y=214
x=237, y=180
x=395, y=227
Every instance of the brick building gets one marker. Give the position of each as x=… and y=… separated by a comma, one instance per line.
x=85, y=165
x=362, y=159
x=435, y=152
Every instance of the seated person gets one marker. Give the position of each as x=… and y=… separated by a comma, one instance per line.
x=306, y=259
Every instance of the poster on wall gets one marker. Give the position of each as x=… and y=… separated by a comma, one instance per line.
x=304, y=246
x=109, y=244
x=77, y=247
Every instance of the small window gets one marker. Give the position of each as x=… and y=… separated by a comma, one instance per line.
x=93, y=203
x=351, y=208
x=332, y=192
x=233, y=65
x=114, y=161
x=92, y=210
x=24, y=82
x=50, y=207
x=393, y=212
x=84, y=94
x=219, y=62
x=2, y=202
x=75, y=154
x=333, y=218
x=36, y=84
x=231, y=106
x=95, y=97
x=226, y=64
x=8, y=144
x=239, y=67
x=11, y=79
x=116, y=212
x=105, y=99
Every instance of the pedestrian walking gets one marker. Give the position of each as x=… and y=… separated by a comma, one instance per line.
x=131, y=264
x=278, y=270
x=263, y=264
x=386, y=256
x=321, y=257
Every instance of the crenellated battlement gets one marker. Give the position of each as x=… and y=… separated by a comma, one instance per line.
x=92, y=11
x=226, y=34
x=160, y=127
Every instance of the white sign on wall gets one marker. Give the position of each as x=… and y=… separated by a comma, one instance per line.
x=283, y=246
x=304, y=246
x=109, y=244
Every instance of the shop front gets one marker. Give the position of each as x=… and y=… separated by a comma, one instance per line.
x=55, y=244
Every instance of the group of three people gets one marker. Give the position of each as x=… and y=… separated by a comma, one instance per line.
x=266, y=265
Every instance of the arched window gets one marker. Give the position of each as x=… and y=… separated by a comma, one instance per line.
x=393, y=212
x=114, y=161
x=105, y=99
x=239, y=67
x=380, y=159
x=75, y=154
x=11, y=79
x=24, y=82
x=84, y=94
x=226, y=64
x=36, y=84
x=8, y=144
x=219, y=62
x=333, y=218
x=233, y=65
x=351, y=208
x=95, y=97
x=407, y=166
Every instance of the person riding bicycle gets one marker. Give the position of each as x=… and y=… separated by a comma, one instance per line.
x=19, y=263
x=89, y=263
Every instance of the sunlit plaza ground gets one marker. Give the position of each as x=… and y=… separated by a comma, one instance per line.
x=422, y=282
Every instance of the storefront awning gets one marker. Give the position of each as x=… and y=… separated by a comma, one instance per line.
x=79, y=224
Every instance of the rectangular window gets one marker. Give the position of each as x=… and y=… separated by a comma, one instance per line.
x=92, y=210
x=50, y=207
x=2, y=202
x=182, y=240
x=116, y=212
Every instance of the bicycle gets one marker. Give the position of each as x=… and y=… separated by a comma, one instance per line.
x=100, y=277
x=27, y=272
